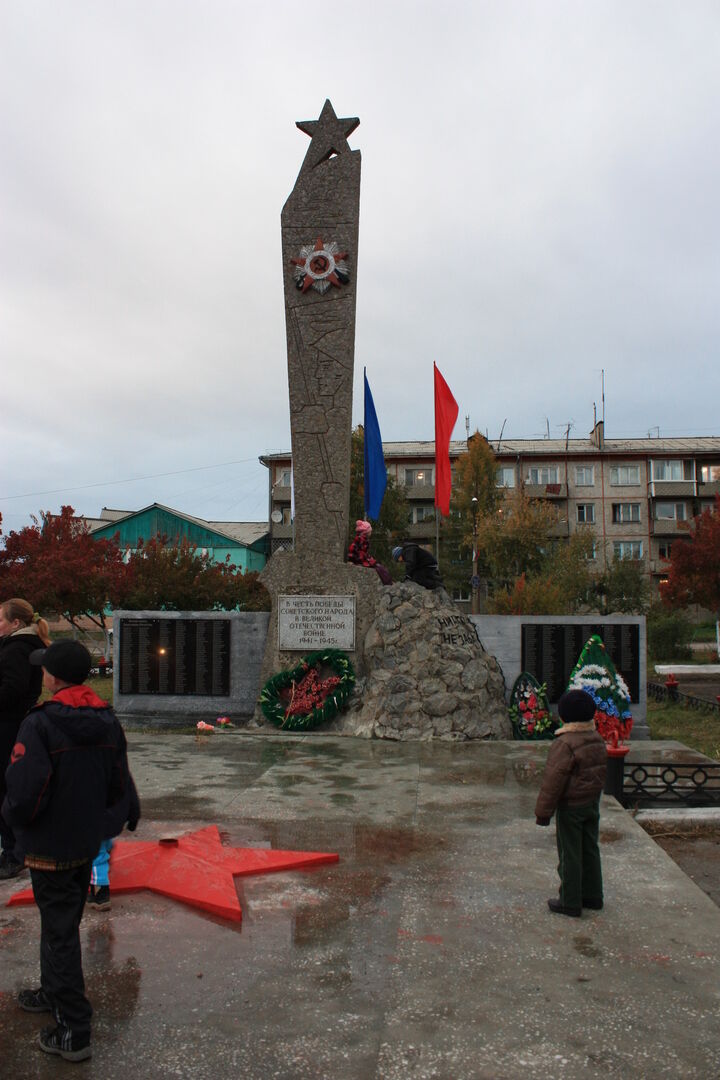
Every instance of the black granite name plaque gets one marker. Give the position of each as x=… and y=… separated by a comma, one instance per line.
x=175, y=656
x=551, y=650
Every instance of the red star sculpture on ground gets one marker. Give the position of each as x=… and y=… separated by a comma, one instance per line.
x=195, y=868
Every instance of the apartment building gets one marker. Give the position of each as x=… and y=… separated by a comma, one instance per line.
x=636, y=494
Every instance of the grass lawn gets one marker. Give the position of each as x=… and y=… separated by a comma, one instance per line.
x=696, y=728
x=101, y=684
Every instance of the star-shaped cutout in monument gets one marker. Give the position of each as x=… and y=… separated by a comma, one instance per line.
x=329, y=135
x=195, y=869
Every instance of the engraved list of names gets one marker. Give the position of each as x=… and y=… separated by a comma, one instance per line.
x=175, y=656
x=551, y=650
x=306, y=623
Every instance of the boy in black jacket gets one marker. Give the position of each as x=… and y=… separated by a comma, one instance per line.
x=68, y=775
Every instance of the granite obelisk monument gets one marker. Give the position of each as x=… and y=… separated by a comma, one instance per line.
x=319, y=600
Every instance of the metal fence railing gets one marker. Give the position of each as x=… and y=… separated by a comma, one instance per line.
x=668, y=783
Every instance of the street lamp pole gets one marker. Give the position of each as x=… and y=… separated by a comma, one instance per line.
x=475, y=606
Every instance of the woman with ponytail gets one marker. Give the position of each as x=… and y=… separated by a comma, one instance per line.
x=22, y=631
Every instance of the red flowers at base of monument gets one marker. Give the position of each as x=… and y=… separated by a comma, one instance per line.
x=530, y=713
x=221, y=724
x=309, y=694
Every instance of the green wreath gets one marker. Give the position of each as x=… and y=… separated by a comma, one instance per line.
x=301, y=698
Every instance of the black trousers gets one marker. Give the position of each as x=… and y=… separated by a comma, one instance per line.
x=579, y=866
x=8, y=737
x=60, y=896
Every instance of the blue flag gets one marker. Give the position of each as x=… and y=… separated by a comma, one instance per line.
x=375, y=472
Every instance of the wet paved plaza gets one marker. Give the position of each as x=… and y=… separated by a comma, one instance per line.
x=427, y=951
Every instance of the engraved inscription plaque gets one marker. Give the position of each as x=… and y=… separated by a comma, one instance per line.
x=306, y=623
x=175, y=656
x=551, y=650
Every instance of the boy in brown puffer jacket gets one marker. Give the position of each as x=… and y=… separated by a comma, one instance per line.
x=573, y=780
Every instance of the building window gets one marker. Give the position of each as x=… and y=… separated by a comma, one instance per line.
x=664, y=551
x=542, y=475
x=628, y=549
x=672, y=470
x=282, y=477
x=505, y=477
x=624, y=475
x=418, y=477
x=592, y=555
x=669, y=511
x=586, y=514
x=585, y=475
x=419, y=514
x=622, y=513
x=710, y=474
x=286, y=519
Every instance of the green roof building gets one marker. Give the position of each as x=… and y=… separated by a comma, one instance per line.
x=246, y=542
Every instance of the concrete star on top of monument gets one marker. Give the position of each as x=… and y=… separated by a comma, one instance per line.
x=328, y=133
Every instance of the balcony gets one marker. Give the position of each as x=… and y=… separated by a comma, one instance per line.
x=708, y=491
x=546, y=491
x=669, y=527
x=419, y=492
x=671, y=489
x=281, y=532
x=422, y=532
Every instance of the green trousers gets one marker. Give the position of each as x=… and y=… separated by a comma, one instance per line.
x=578, y=852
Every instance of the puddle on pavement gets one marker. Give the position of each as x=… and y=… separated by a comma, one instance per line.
x=173, y=806
x=585, y=946
x=528, y=772
x=393, y=845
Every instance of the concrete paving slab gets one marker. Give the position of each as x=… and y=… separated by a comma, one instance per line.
x=426, y=952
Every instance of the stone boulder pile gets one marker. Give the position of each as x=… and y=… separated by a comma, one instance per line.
x=428, y=675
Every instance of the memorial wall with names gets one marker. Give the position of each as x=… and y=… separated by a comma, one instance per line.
x=175, y=656
x=550, y=651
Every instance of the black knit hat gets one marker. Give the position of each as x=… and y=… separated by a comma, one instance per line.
x=66, y=660
x=576, y=707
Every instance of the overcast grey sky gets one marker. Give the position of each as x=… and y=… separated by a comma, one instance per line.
x=540, y=200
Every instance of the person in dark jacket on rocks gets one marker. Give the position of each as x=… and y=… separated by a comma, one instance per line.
x=22, y=631
x=420, y=565
x=573, y=780
x=68, y=778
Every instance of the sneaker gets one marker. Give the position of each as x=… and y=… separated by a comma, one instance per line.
x=60, y=1040
x=34, y=1000
x=562, y=909
x=9, y=866
x=99, y=898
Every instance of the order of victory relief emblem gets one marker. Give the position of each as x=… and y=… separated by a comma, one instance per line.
x=320, y=266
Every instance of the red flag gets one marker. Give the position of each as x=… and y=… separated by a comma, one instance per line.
x=446, y=413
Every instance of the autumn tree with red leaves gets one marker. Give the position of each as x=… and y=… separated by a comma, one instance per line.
x=176, y=577
x=60, y=569
x=694, y=564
